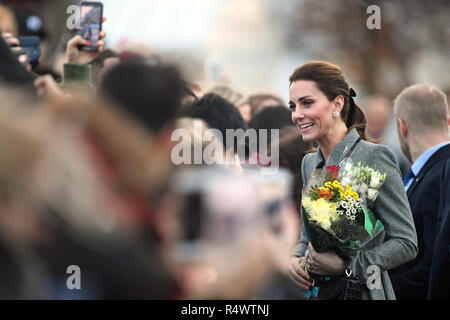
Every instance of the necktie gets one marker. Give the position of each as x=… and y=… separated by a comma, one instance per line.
x=408, y=176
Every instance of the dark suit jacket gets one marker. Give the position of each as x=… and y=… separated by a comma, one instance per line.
x=440, y=267
x=411, y=279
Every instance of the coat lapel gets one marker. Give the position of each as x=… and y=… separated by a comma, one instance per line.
x=336, y=155
x=343, y=148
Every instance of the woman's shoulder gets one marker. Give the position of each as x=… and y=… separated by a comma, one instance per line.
x=309, y=158
x=375, y=152
x=308, y=164
x=375, y=147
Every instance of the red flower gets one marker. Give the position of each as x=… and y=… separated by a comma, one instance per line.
x=333, y=171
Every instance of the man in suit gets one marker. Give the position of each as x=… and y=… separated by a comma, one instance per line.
x=421, y=114
x=440, y=277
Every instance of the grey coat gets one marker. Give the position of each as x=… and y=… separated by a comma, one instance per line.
x=391, y=207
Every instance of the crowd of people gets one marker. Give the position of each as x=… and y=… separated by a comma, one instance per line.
x=88, y=179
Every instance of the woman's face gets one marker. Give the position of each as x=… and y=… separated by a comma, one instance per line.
x=311, y=110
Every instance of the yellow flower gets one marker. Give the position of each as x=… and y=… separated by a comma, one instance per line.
x=336, y=184
x=348, y=191
x=321, y=211
x=306, y=201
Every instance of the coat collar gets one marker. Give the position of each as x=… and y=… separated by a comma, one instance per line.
x=341, y=150
x=442, y=153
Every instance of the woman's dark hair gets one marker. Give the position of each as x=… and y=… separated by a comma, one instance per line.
x=329, y=79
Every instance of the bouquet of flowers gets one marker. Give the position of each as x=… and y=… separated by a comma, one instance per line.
x=336, y=207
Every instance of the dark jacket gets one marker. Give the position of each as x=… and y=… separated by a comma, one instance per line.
x=12, y=72
x=411, y=280
x=439, y=287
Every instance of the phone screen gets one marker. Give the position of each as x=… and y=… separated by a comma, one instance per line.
x=91, y=24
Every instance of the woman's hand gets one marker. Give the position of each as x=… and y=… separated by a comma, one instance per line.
x=298, y=275
x=327, y=263
x=77, y=56
x=9, y=39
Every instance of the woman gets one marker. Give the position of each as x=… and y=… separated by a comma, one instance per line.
x=324, y=111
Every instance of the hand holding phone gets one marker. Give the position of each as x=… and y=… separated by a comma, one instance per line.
x=31, y=44
x=74, y=53
x=91, y=25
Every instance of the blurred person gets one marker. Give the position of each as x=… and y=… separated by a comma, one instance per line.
x=153, y=100
x=219, y=252
x=196, y=89
x=31, y=23
x=265, y=121
x=281, y=233
x=8, y=22
x=246, y=111
x=235, y=96
x=260, y=100
x=381, y=127
x=219, y=114
x=131, y=49
x=421, y=112
x=439, y=284
x=197, y=137
x=101, y=64
x=77, y=69
x=292, y=149
x=102, y=200
x=21, y=54
x=378, y=113
x=23, y=274
x=273, y=117
x=12, y=72
x=324, y=111
x=250, y=104
x=269, y=118
x=47, y=87
x=192, y=134
x=193, y=92
x=164, y=219
x=152, y=97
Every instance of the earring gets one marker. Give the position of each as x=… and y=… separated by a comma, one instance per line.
x=336, y=114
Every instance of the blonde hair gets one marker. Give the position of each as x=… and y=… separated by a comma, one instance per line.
x=423, y=107
x=235, y=96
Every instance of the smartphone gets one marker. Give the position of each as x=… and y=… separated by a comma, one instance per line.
x=31, y=44
x=91, y=15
